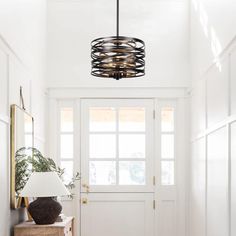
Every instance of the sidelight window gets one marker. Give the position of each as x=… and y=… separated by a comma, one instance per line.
x=167, y=146
x=66, y=151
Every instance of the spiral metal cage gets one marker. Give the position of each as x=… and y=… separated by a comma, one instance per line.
x=118, y=57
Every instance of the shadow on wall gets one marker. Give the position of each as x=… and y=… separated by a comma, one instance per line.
x=17, y=216
x=209, y=32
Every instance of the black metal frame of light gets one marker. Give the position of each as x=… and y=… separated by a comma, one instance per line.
x=118, y=56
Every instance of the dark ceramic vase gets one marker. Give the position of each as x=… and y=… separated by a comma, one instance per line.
x=44, y=210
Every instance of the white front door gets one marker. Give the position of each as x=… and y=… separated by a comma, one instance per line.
x=117, y=167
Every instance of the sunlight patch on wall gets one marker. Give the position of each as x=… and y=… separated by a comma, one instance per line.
x=209, y=31
x=203, y=19
x=216, y=48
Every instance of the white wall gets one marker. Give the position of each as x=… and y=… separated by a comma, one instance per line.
x=162, y=24
x=22, y=58
x=213, y=101
x=212, y=29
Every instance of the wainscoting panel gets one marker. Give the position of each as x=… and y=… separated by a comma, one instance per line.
x=217, y=93
x=216, y=216
x=13, y=75
x=4, y=144
x=3, y=83
x=217, y=184
x=233, y=178
x=4, y=180
x=198, y=191
x=233, y=81
x=199, y=109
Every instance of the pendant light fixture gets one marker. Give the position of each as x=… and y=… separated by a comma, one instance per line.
x=118, y=56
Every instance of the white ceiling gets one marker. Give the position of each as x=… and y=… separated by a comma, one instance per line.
x=162, y=24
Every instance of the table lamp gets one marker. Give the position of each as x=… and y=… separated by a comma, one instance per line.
x=45, y=186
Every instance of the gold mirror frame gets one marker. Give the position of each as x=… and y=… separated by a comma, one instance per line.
x=16, y=203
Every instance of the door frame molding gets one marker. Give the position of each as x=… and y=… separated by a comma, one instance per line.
x=179, y=95
x=149, y=159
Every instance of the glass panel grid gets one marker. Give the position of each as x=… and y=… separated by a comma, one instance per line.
x=123, y=142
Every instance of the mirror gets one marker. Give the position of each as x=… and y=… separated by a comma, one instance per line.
x=22, y=136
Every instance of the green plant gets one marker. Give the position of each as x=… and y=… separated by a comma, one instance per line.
x=28, y=160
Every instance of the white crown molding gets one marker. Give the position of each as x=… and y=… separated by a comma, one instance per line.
x=121, y=92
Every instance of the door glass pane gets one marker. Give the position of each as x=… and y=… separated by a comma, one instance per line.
x=167, y=119
x=67, y=145
x=67, y=119
x=102, y=146
x=102, y=119
x=132, y=119
x=167, y=172
x=68, y=166
x=131, y=172
x=102, y=172
x=167, y=146
x=132, y=145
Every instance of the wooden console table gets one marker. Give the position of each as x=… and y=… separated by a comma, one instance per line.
x=65, y=228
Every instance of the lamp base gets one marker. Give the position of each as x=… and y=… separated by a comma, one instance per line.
x=44, y=210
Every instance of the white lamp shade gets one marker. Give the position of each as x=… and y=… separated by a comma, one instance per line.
x=44, y=184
